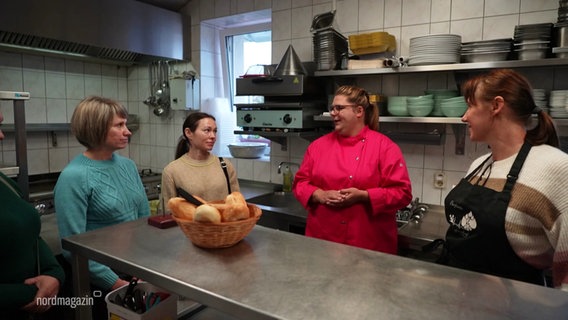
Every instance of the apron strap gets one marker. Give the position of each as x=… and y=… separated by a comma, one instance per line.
x=516, y=168
x=476, y=170
x=224, y=166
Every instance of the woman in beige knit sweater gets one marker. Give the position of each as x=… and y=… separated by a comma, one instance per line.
x=196, y=169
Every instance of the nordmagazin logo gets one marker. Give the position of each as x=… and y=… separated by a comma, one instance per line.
x=71, y=302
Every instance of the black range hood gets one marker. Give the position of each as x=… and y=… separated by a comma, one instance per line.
x=116, y=31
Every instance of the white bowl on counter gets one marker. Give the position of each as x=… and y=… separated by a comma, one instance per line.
x=247, y=150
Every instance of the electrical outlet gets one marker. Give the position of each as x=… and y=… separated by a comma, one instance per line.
x=439, y=180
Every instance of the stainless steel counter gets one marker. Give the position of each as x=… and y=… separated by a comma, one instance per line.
x=278, y=275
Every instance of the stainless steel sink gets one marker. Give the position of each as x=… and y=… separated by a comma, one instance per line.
x=279, y=201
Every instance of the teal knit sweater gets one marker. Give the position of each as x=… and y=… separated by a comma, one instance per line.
x=92, y=194
x=22, y=246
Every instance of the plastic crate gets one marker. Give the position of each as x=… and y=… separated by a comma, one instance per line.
x=165, y=310
x=374, y=42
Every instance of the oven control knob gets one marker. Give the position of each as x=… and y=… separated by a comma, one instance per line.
x=287, y=119
x=247, y=118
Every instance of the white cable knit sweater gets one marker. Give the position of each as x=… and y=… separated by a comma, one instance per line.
x=536, y=221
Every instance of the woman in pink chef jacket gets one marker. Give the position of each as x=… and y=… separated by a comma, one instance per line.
x=354, y=179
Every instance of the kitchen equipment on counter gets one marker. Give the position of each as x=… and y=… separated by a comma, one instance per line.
x=259, y=70
x=290, y=100
x=159, y=88
x=487, y=50
x=560, y=33
x=247, y=150
x=532, y=41
x=290, y=64
x=329, y=45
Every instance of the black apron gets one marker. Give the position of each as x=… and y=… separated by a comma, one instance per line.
x=476, y=239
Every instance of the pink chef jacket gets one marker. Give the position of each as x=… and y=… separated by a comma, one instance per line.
x=369, y=161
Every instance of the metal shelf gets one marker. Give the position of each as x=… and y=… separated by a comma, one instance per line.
x=47, y=127
x=282, y=137
x=552, y=62
x=405, y=119
x=38, y=127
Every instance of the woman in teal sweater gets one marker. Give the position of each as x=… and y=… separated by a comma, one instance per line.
x=28, y=268
x=99, y=188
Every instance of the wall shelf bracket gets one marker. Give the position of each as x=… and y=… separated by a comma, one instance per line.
x=459, y=133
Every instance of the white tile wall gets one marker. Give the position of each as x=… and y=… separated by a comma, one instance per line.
x=57, y=85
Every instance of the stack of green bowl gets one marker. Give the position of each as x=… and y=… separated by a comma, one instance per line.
x=454, y=107
x=439, y=96
x=397, y=106
x=420, y=106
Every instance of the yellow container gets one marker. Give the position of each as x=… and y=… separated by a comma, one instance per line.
x=374, y=42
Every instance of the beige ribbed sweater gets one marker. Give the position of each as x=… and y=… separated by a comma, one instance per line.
x=204, y=178
x=536, y=221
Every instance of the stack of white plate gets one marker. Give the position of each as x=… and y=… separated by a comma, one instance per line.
x=439, y=96
x=434, y=49
x=558, y=104
x=539, y=96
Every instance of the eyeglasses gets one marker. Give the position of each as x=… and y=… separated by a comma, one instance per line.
x=339, y=107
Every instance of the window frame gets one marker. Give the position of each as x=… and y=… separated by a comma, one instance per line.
x=233, y=31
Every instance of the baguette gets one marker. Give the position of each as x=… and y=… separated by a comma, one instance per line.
x=182, y=209
x=236, y=208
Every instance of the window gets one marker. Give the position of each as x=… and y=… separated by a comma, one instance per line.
x=242, y=48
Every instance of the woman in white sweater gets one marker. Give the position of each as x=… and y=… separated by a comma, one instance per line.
x=509, y=215
x=196, y=169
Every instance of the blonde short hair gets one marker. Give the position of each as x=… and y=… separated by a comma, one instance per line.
x=92, y=119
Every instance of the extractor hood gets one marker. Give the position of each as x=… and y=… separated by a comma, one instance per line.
x=117, y=31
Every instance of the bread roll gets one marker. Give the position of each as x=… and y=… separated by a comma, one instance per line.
x=236, y=208
x=180, y=208
x=207, y=214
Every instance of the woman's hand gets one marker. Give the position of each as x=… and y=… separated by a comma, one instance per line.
x=353, y=195
x=119, y=283
x=340, y=198
x=47, y=286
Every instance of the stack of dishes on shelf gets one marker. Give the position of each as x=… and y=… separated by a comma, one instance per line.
x=486, y=50
x=329, y=45
x=560, y=31
x=420, y=106
x=532, y=41
x=539, y=97
x=435, y=49
x=562, y=11
x=558, y=103
x=439, y=96
x=454, y=107
x=397, y=106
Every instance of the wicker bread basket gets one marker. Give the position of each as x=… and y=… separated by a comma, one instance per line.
x=219, y=235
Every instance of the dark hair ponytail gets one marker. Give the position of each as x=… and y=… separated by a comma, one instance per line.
x=191, y=123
